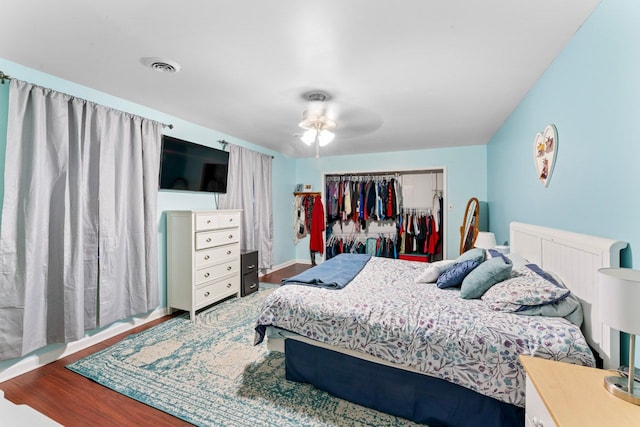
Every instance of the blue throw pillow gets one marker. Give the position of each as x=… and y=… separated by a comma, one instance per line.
x=455, y=274
x=487, y=274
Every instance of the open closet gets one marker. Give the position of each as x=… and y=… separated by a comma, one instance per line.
x=389, y=214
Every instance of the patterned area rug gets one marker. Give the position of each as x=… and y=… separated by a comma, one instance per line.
x=209, y=373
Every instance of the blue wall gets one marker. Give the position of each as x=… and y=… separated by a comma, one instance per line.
x=465, y=175
x=591, y=92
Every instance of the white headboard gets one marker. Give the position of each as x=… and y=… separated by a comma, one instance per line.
x=576, y=258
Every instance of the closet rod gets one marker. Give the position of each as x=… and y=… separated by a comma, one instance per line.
x=384, y=173
x=4, y=77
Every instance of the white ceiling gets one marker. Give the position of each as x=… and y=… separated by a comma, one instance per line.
x=402, y=75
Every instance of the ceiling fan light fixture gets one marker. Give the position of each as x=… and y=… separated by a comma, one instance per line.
x=316, y=122
x=325, y=136
x=317, y=125
x=309, y=136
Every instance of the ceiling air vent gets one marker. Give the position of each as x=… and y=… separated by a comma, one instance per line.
x=161, y=65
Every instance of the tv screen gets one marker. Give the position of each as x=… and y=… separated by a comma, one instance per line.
x=192, y=167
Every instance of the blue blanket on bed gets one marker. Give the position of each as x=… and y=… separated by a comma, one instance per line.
x=335, y=273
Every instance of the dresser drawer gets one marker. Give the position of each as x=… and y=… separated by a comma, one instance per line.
x=249, y=261
x=212, y=221
x=209, y=239
x=214, y=291
x=250, y=283
x=213, y=272
x=537, y=414
x=221, y=253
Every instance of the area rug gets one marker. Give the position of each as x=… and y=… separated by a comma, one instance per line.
x=209, y=373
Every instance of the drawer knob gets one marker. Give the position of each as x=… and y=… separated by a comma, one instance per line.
x=230, y=219
x=251, y=267
x=231, y=236
x=208, y=239
x=207, y=257
x=208, y=221
x=206, y=294
x=228, y=252
x=253, y=286
x=228, y=285
x=206, y=274
x=229, y=268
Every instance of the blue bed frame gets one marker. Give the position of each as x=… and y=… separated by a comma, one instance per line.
x=406, y=394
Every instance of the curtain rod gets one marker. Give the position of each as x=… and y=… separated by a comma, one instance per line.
x=4, y=77
x=224, y=144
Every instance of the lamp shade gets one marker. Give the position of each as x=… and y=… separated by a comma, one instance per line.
x=619, y=295
x=485, y=240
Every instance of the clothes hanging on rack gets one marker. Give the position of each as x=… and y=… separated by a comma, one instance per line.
x=383, y=245
x=367, y=204
x=361, y=199
x=309, y=221
x=300, y=230
x=418, y=233
x=316, y=242
x=302, y=213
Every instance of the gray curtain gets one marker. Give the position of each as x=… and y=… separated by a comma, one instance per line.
x=249, y=189
x=128, y=189
x=80, y=187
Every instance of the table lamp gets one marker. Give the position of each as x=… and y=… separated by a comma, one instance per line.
x=485, y=240
x=619, y=290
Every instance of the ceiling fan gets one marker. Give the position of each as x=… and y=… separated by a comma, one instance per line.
x=317, y=122
x=323, y=118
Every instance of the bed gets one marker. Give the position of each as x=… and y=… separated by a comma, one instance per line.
x=428, y=355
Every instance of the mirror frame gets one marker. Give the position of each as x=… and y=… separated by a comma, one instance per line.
x=469, y=223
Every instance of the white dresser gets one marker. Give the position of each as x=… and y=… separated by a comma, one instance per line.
x=203, y=258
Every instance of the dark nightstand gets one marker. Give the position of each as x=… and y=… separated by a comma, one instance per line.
x=249, y=272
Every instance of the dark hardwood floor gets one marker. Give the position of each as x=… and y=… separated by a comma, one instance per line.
x=284, y=273
x=73, y=400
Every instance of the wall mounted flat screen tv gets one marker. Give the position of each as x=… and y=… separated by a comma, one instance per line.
x=187, y=166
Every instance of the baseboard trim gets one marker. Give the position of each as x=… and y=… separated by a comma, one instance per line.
x=15, y=367
x=283, y=265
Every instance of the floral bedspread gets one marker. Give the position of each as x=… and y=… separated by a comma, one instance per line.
x=383, y=313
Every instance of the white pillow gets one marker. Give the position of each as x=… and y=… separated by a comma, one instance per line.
x=434, y=270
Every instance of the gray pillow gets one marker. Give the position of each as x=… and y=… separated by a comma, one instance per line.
x=487, y=274
x=476, y=254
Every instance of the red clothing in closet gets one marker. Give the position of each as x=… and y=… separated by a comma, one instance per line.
x=316, y=243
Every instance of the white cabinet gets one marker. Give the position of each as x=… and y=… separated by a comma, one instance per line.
x=203, y=258
x=536, y=414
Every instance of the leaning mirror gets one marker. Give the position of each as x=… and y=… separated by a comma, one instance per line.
x=469, y=228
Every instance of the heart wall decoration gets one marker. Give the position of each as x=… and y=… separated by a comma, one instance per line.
x=545, y=148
